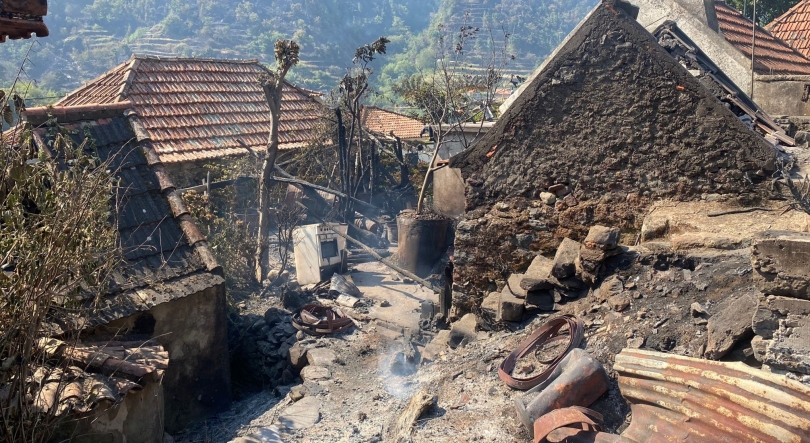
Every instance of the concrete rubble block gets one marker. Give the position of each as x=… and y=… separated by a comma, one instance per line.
x=321, y=356
x=537, y=276
x=780, y=261
x=730, y=324
x=315, y=373
x=298, y=356
x=510, y=307
x=773, y=308
x=513, y=287
x=463, y=331
x=790, y=347
x=302, y=414
x=610, y=287
x=760, y=347
x=564, y=259
x=602, y=237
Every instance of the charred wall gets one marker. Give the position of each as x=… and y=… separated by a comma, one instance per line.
x=615, y=121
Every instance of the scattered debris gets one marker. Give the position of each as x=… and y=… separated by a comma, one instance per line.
x=318, y=320
x=420, y=403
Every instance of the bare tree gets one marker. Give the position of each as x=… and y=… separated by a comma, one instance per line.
x=446, y=95
x=286, y=53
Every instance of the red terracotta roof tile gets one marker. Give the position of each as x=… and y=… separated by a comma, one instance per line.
x=773, y=56
x=794, y=27
x=383, y=122
x=197, y=109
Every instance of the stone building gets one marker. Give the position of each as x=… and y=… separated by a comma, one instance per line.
x=606, y=125
x=170, y=287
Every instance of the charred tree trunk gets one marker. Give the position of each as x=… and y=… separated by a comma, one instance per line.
x=272, y=93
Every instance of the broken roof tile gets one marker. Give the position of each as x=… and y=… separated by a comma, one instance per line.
x=197, y=109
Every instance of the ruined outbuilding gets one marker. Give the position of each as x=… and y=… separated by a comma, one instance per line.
x=170, y=287
x=606, y=125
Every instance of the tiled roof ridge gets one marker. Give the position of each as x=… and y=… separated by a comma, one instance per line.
x=66, y=114
x=791, y=11
x=112, y=72
x=178, y=207
x=246, y=61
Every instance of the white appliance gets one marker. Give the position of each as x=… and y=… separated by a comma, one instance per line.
x=318, y=251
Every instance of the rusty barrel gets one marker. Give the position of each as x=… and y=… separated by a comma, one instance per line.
x=420, y=242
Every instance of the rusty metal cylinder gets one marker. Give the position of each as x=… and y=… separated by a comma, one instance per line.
x=578, y=380
x=420, y=242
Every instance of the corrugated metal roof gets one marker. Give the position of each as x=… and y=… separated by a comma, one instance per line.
x=196, y=109
x=384, y=122
x=165, y=255
x=794, y=27
x=773, y=56
x=681, y=399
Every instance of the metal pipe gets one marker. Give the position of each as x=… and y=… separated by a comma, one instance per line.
x=753, y=44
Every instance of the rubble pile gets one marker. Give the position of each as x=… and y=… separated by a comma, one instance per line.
x=781, y=263
x=609, y=124
x=261, y=347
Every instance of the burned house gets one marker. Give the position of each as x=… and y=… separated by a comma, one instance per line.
x=607, y=124
x=170, y=287
x=198, y=110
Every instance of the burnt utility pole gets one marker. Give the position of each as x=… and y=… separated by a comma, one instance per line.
x=753, y=44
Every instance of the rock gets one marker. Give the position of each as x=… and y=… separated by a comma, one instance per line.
x=779, y=260
x=635, y=343
x=542, y=300
x=610, y=287
x=548, y=198
x=301, y=415
x=591, y=258
x=513, y=286
x=437, y=345
x=273, y=316
x=731, y=323
x=537, y=276
x=347, y=300
x=298, y=392
x=315, y=373
x=510, y=307
x=385, y=304
x=463, y=331
x=773, y=308
x=490, y=303
x=427, y=310
x=790, y=347
x=602, y=237
x=556, y=187
x=697, y=310
x=619, y=302
x=567, y=253
x=654, y=226
x=321, y=356
x=565, y=191
x=298, y=356
x=760, y=347
x=268, y=434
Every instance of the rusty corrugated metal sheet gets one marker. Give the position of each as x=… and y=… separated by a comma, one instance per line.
x=682, y=399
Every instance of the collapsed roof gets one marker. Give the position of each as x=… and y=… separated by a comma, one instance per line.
x=166, y=256
x=198, y=109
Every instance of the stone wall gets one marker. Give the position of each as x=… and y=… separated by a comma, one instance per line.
x=609, y=124
x=194, y=330
x=783, y=94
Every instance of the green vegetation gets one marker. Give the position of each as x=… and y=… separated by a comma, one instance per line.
x=88, y=37
x=767, y=10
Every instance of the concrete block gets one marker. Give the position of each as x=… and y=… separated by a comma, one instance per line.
x=537, y=276
x=780, y=260
x=564, y=259
x=315, y=373
x=321, y=356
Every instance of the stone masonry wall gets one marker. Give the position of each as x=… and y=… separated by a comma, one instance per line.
x=610, y=124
